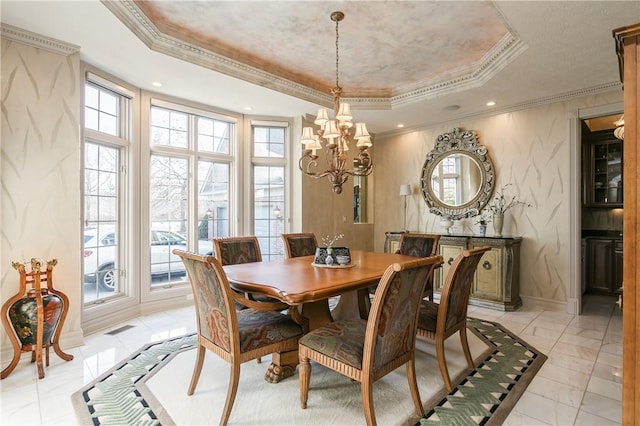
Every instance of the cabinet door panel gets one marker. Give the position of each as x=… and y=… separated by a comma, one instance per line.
x=488, y=282
x=599, y=255
x=448, y=253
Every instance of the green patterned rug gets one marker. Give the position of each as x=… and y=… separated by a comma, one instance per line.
x=484, y=395
x=489, y=392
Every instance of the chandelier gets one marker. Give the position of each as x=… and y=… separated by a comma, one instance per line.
x=619, y=131
x=336, y=135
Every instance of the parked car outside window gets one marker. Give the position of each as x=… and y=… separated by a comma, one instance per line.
x=100, y=255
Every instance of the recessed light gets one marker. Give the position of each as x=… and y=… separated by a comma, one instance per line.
x=156, y=84
x=247, y=108
x=491, y=103
x=400, y=126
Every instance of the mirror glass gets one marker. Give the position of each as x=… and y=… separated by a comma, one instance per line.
x=457, y=177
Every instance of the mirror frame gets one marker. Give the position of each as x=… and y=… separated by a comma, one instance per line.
x=458, y=142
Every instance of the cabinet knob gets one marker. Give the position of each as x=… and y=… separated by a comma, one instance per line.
x=450, y=261
x=486, y=265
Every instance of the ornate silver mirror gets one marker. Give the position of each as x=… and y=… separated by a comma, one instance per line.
x=457, y=176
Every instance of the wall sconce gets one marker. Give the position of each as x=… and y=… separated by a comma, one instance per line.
x=405, y=189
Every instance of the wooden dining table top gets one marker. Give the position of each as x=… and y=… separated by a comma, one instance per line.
x=297, y=281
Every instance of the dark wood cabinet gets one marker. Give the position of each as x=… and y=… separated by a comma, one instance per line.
x=602, y=170
x=603, y=265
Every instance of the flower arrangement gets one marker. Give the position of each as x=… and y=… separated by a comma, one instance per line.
x=501, y=203
x=328, y=241
x=482, y=221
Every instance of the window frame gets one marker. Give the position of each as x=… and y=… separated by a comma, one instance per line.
x=254, y=160
x=119, y=306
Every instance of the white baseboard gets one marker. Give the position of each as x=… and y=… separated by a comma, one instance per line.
x=547, y=304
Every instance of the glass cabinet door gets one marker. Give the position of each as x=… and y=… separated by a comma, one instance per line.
x=606, y=176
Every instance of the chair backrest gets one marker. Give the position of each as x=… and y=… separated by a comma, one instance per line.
x=392, y=323
x=418, y=245
x=235, y=250
x=454, y=296
x=216, y=316
x=300, y=244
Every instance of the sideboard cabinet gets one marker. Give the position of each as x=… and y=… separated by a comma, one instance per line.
x=496, y=283
x=497, y=280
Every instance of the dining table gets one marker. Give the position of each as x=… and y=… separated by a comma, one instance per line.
x=306, y=287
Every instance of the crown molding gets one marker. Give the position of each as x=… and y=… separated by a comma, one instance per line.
x=508, y=48
x=561, y=97
x=38, y=41
x=131, y=15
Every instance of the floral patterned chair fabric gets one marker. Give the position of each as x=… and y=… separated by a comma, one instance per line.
x=420, y=245
x=366, y=350
x=237, y=250
x=236, y=337
x=301, y=244
x=438, y=321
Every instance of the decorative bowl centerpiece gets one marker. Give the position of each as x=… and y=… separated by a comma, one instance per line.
x=332, y=257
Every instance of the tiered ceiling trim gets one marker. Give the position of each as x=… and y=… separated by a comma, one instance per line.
x=509, y=47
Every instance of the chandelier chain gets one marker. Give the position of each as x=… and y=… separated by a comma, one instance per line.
x=337, y=54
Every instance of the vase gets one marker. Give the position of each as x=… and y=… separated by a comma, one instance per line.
x=483, y=230
x=446, y=223
x=23, y=315
x=498, y=220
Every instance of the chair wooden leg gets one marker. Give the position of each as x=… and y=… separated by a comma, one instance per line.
x=413, y=387
x=465, y=346
x=367, y=401
x=442, y=364
x=196, y=369
x=234, y=378
x=304, y=370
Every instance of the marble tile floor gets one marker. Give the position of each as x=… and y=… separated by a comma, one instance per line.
x=580, y=384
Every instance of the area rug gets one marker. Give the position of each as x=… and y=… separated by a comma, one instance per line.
x=149, y=388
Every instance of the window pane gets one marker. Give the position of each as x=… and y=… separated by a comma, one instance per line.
x=168, y=188
x=268, y=141
x=267, y=209
x=169, y=127
x=102, y=110
x=213, y=135
x=100, y=243
x=213, y=200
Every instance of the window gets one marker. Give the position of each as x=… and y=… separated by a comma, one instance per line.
x=269, y=186
x=189, y=186
x=106, y=146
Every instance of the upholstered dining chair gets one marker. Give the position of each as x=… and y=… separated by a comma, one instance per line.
x=438, y=321
x=246, y=249
x=299, y=244
x=420, y=245
x=366, y=350
x=235, y=336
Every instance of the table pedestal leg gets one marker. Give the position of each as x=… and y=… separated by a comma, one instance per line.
x=283, y=365
x=310, y=316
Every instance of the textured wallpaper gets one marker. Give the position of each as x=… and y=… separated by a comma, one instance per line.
x=530, y=150
x=40, y=169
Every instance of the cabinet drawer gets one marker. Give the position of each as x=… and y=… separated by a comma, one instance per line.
x=488, y=282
